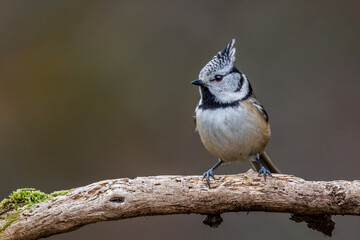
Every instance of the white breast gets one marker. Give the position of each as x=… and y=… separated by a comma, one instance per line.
x=232, y=133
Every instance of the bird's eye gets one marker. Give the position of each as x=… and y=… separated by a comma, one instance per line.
x=218, y=78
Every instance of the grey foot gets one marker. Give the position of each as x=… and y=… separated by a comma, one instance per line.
x=207, y=174
x=265, y=172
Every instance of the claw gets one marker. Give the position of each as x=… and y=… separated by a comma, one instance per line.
x=208, y=174
x=265, y=172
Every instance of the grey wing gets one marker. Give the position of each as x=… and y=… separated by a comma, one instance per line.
x=195, y=123
x=260, y=108
x=264, y=158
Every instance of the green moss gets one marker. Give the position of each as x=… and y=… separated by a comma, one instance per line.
x=59, y=193
x=27, y=196
x=23, y=197
x=9, y=219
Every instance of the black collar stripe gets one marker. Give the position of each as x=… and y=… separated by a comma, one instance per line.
x=208, y=101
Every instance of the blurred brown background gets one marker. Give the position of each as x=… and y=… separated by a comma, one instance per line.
x=92, y=90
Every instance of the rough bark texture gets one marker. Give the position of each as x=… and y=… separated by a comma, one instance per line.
x=161, y=195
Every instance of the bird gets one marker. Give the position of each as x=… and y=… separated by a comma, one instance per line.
x=232, y=123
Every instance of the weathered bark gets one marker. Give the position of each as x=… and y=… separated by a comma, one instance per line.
x=162, y=195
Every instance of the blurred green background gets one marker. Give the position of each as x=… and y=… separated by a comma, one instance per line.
x=93, y=90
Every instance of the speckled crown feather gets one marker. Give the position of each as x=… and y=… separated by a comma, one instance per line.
x=223, y=60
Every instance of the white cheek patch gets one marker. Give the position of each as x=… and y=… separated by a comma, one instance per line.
x=230, y=96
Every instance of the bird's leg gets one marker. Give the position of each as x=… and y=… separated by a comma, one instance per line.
x=210, y=172
x=262, y=170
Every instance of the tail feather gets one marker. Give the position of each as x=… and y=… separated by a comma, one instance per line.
x=266, y=162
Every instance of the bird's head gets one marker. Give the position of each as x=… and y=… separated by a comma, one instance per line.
x=222, y=78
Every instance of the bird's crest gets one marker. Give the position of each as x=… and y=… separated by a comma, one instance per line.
x=223, y=60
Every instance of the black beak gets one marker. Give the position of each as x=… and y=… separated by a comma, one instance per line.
x=198, y=82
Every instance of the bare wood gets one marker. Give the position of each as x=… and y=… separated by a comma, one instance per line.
x=161, y=195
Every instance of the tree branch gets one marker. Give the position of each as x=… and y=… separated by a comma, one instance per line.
x=162, y=195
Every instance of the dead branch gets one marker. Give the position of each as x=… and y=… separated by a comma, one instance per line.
x=162, y=195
